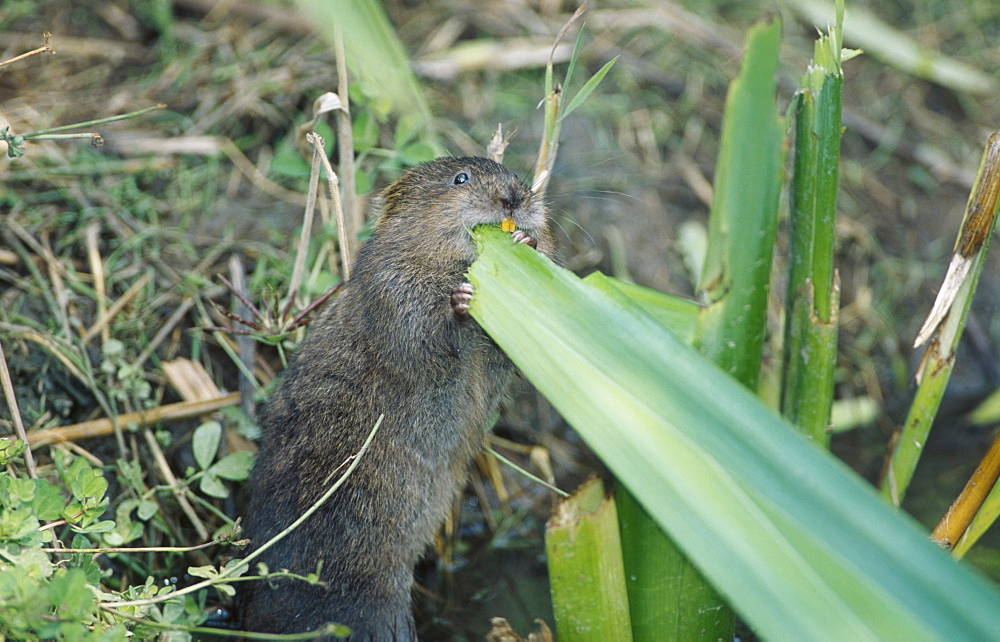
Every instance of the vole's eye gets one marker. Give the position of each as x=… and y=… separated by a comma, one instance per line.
x=461, y=178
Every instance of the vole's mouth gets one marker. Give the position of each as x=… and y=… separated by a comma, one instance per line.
x=508, y=225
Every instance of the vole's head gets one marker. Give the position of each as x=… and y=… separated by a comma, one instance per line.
x=444, y=199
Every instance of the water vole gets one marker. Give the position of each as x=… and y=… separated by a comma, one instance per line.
x=397, y=341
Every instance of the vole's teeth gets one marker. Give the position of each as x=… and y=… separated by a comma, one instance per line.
x=507, y=225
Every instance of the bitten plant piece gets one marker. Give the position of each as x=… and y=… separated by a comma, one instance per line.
x=398, y=341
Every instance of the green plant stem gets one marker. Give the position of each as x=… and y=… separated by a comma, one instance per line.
x=810, y=364
x=214, y=632
x=939, y=358
x=91, y=123
x=521, y=471
x=813, y=298
x=748, y=178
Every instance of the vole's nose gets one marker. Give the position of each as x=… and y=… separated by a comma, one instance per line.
x=511, y=200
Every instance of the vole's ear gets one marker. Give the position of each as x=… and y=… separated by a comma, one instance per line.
x=377, y=205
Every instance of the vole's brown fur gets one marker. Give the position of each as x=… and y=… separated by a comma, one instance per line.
x=395, y=342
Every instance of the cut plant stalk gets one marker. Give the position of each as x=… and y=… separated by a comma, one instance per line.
x=585, y=567
x=795, y=541
x=956, y=521
x=748, y=178
x=945, y=323
x=986, y=514
x=813, y=300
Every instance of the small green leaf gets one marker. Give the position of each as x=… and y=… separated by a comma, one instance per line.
x=72, y=512
x=19, y=491
x=363, y=182
x=130, y=473
x=211, y=485
x=11, y=449
x=147, y=509
x=103, y=526
x=417, y=153
x=114, y=539
x=407, y=130
x=69, y=593
x=173, y=611
x=365, y=130
x=208, y=572
x=572, y=59
x=588, y=88
x=93, y=484
x=235, y=562
x=48, y=501
x=17, y=524
x=288, y=162
x=205, y=443
x=234, y=467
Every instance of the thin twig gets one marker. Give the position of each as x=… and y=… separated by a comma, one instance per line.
x=323, y=632
x=246, y=346
x=302, y=251
x=141, y=549
x=345, y=146
x=522, y=471
x=965, y=507
x=97, y=271
x=104, y=317
x=180, y=491
x=552, y=101
x=167, y=328
x=45, y=48
x=91, y=123
x=8, y=393
x=104, y=426
x=338, y=210
x=582, y=9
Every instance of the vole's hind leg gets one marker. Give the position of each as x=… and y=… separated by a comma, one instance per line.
x=461, y=297
x=524, y=238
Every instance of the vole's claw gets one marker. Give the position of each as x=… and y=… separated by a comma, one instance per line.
x=524, y=238
x=461, y=297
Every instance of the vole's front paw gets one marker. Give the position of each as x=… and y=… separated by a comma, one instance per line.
x=524, y=238
x=461, y=297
